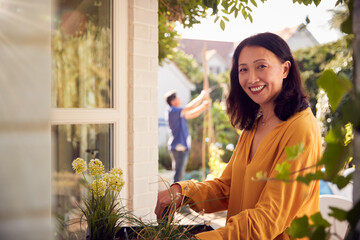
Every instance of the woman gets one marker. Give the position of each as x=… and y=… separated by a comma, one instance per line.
x=267, y=101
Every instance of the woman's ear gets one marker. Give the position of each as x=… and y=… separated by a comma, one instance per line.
x=286, y=68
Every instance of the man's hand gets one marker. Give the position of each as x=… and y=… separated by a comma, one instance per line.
x=167, y=197
x=206, y=103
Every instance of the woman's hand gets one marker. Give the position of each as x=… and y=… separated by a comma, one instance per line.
x=166, y=197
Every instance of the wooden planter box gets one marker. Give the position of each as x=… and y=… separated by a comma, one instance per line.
x=130, y=233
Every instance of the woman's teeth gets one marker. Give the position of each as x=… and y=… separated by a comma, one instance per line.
x=255, y=89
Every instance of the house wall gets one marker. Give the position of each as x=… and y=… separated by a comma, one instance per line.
x=216, y=64
x=301, y=39
x=143, y=107
x=170, y=78
x=25, y=144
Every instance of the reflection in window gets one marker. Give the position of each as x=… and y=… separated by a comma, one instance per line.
x=69, y=142
x=81, y=44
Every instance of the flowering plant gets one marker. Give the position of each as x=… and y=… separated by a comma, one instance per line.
x=101, y=207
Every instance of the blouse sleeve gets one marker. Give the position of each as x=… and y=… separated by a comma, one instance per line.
x=279, y=202
x=212, y=195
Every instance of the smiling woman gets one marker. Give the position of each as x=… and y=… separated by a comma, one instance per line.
x=265, y=88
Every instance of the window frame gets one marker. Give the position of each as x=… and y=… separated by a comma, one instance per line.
x=117, y=115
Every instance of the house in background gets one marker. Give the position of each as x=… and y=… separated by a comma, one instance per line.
x=215, y=62
x=170, y=77
x=218, y=53
x=298, y=37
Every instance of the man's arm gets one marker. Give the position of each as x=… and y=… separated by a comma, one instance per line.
x=195, y=112
x=195, y=102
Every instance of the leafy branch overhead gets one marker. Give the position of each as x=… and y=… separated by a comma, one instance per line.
x=191, y=12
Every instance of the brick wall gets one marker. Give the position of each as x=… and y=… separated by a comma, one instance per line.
x=142, y=106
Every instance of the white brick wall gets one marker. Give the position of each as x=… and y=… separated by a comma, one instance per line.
x=25, y=65
x=143, y=137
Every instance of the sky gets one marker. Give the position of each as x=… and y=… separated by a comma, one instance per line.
x=272, y=16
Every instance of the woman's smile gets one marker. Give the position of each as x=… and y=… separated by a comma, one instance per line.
x=257, y=89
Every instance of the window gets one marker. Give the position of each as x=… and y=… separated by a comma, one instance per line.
x=89, y=98
x=82, y=54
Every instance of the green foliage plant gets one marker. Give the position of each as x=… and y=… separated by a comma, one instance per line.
x=172, y=224
x=101, y=207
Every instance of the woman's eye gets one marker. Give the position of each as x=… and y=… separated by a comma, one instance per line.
x=261, y=66
x=242, y=70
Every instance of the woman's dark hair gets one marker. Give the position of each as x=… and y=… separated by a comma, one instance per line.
x=241, y=109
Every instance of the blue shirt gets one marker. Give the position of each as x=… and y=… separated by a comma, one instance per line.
x=179, y=128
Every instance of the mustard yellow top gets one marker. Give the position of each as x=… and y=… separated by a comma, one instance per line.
x=262, y=209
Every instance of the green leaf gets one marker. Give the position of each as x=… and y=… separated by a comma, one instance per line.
x=346, y=26
x=338, y=213
x=310, y=177
x=217, y=18
x=250, y=18
x=222, y=24
x=336, y=134
x=226, y=19
x=350, y=112
x=330, y=159
x=225, y=11
x=319, y=234
x=225, y=4
x=342, y=181
x=318, y=220
x=253, y=2
x=293, y=152
x=243, y=12
x=284, y=171
x=334, y=86
x=334, y=159
x=317, y=2
x=236, y=13
x=299, y=228
x=353, y=215
x=338, y=2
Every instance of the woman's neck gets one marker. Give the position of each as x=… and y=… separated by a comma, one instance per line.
x=267, y=114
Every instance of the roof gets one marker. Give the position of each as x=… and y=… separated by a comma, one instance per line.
x=195, y=47
x=287, y=33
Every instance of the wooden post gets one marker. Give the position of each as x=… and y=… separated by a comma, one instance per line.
x=207, y=131
x=205, y=87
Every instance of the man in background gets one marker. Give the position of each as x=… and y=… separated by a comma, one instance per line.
x=180, y=141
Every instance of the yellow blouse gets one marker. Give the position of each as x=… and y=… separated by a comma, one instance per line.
x=262, y=209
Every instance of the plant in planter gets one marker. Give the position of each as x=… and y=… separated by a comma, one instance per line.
x=101, y=207
x=172, y=225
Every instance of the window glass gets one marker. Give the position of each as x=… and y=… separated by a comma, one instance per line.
x=82, y=62
x=87, y=141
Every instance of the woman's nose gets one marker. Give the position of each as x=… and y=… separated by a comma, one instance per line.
x=253, y=77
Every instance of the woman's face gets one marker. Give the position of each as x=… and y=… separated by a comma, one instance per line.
x=261, y=74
